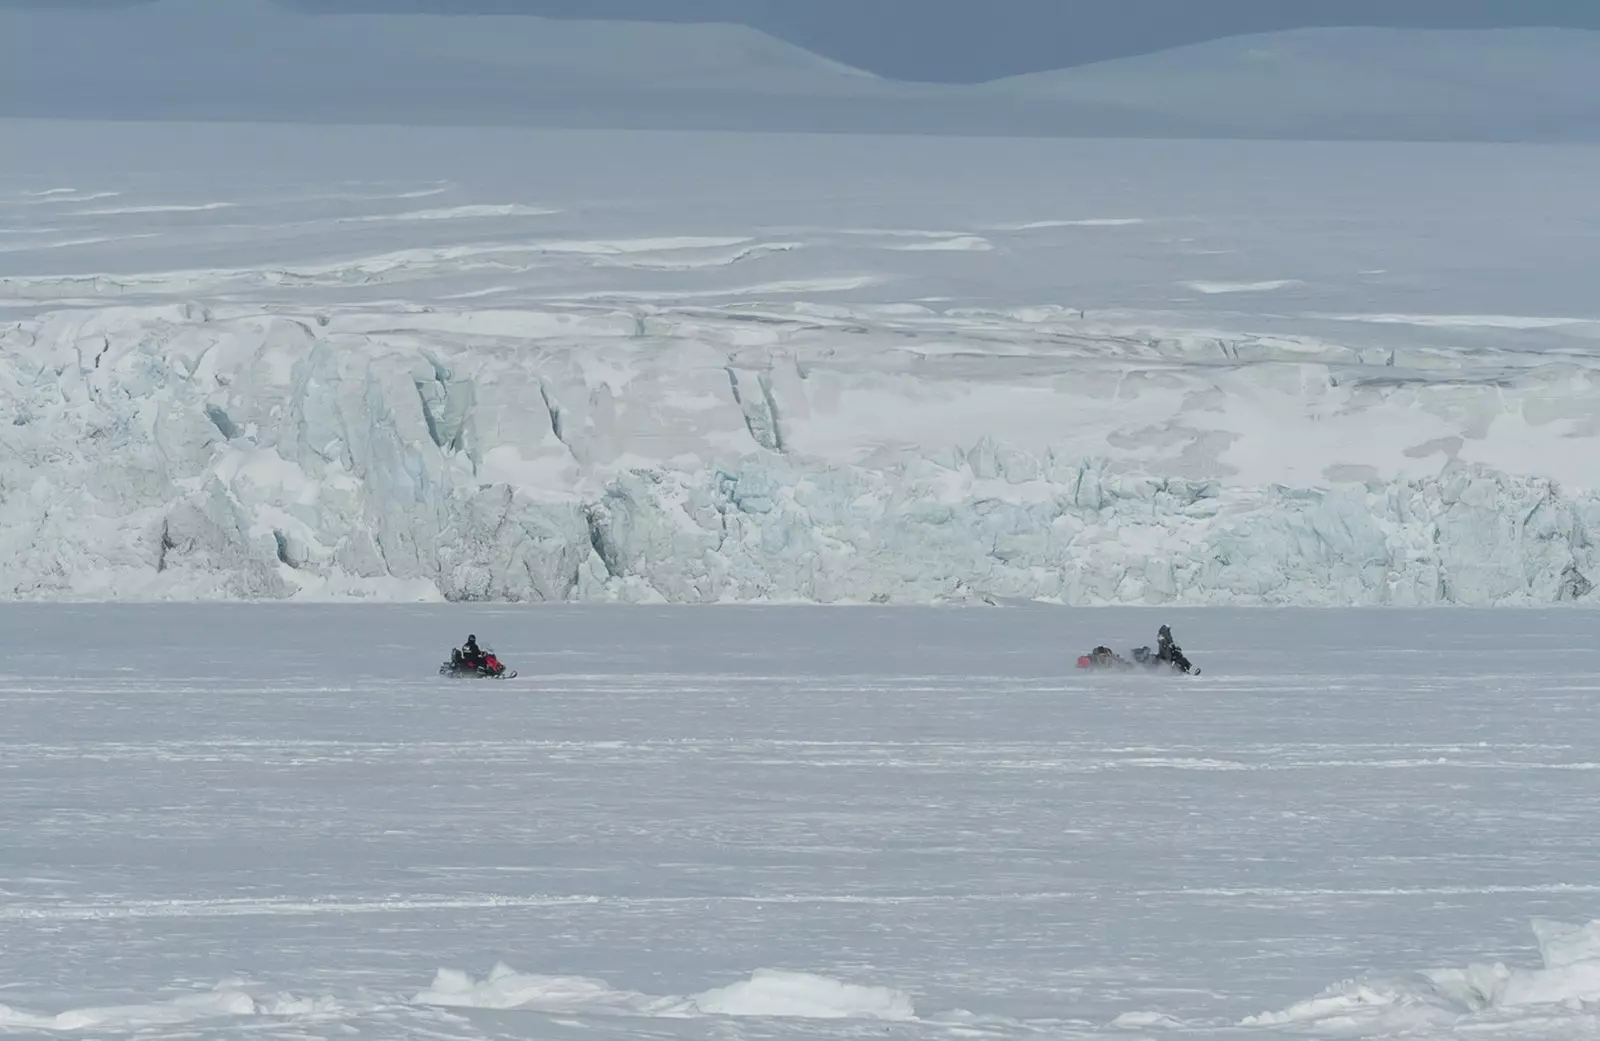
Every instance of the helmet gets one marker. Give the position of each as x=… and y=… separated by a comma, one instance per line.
x=471, y=638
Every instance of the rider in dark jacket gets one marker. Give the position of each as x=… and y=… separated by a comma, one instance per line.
x=1170, y=652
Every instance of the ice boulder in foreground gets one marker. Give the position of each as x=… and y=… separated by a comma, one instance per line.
x=175, y=451
x=1566, y=986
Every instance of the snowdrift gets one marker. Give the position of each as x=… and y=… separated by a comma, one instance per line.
x=737, y=453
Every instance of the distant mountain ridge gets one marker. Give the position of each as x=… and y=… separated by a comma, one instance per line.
x=251, y=60
x=959, y=41
x=1434, y=83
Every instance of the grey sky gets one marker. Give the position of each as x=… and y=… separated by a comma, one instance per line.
x=964, y=41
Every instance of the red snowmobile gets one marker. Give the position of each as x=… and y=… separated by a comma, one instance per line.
x=484, y=665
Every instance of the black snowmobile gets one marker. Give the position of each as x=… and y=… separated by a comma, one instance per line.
x=1169, y=657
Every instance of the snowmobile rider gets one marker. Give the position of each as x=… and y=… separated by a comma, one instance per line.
x=1170, y=652
x=469, y=655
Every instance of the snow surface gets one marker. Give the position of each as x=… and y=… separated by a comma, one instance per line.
x=253, y=60
x=258, y=362
x=242, y=821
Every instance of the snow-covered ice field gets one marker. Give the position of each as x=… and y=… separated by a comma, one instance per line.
x=275, y=361
x=277, y=821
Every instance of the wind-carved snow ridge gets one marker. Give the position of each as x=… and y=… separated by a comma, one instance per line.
x=741, y=452
x=1561, y=995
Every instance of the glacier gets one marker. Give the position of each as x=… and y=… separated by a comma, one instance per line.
x=551, y=395
x=170, y=451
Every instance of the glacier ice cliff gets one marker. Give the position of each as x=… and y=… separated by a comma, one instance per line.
x=661, y=454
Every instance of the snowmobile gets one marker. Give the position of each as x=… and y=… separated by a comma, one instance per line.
x=1104, y=659
x=486, y=667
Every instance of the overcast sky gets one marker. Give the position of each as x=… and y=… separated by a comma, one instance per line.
x=974, y=40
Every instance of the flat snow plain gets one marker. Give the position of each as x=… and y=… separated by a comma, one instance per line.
x=269, y=362
x=245, y=821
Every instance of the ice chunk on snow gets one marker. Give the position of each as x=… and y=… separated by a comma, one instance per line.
x=771, y=992
x=1568, y=980
x=1571, y=973
x=224, y=1002
x=768, y=992
x=1368, y=1007
x=1561, y=944
x=505, y=988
